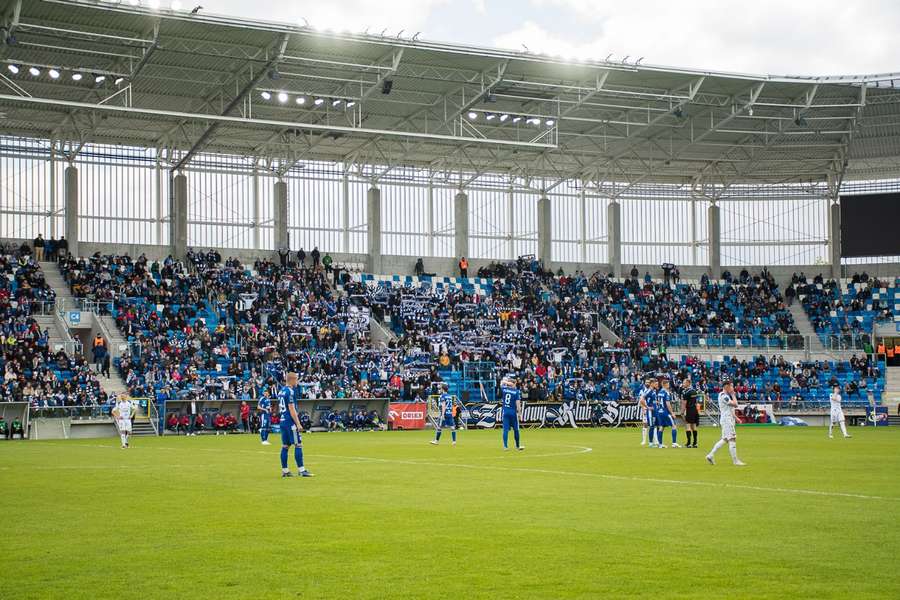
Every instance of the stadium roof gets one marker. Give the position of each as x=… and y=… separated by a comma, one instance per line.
x=184, y=83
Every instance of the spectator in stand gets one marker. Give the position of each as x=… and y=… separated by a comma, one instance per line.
x=105, y=365
x=301, y=257
x=98, y=350
x=50, y=249
x=463, y=267
x=39, y=248
x=315, y=257
x=327, y=262
x=63, y=246
x=419, y=268
x=283, y=255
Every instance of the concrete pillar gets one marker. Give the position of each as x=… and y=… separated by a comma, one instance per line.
x=461, y=222
x=71, y=193
x=280, y=216
x=544, y=223
x=715, y=242
x=614, y=237
x=178, y=217
x=834, y=240
x=373, y=263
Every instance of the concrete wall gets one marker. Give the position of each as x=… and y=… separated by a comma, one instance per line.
x=403, y=265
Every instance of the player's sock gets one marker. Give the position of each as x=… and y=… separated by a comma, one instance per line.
x=505, y=437
x=284, y=466
x=453, y=435
x=122, y=435
x=298, y=457
x=437, y=435
x=715, y=448
x=674, y=436
x=732, y=450
x=843, y=428
x=516, y=435
x=652, y=435
x=659, y=433
x=264, y=434
x=643, y=435
x=830, y=428
x=695, y=437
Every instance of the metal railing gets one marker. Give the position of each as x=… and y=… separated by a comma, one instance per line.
x=725, y=341
x=94, y=412
x=153, y=414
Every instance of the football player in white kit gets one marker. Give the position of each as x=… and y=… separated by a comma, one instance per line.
x=123, y=411
x=837, y=414
x=727, y=404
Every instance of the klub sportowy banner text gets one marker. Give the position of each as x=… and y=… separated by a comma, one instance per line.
x=562, y=414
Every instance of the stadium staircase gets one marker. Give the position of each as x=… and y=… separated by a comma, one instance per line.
x=891, y=397
x=141, y=426
x=804, y=326
x=55, y=280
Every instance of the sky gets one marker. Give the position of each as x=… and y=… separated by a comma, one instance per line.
x=783, y=37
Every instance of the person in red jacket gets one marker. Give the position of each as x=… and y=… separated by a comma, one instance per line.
x=219, y=423
x=245, y=416
x=230, y=422
x=172, y=422
x=184, y=423
x=198, y=422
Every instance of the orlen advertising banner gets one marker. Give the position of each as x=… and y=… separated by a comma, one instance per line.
x=566, y=414
x=410, y=415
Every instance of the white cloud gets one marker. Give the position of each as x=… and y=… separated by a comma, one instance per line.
x=799, y=37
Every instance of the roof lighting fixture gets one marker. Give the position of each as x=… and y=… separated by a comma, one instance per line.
x=351, y=103
x=14, y=69
x=533, y=121
x=473, y=115
x=516, y=119
x=282, y=97
x=336, y=102
x=490, y=116
x=504, y=118
x=99, y=78
x=266, y=96
x=119, y=80
x=301, y=100
x=319, y=102
x=54, y=74
x=549, y=122
x=76, y=76
x=35, y=72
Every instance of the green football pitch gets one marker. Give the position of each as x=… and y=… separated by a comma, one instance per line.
x=582, y=513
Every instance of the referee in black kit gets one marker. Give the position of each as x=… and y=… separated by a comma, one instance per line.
x=690, y=409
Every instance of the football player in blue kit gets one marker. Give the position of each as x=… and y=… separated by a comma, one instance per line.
x=511, y=404
x=447, y=404
x=264, y=406
x=290, y=426
x=664, y=415
x=648, y=407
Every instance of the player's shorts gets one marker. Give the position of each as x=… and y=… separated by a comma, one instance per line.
x=124, y=425
x=510, y=421
x=837, y=415
x=649, y=421
x=448, y=422
x=663, y=419
x=289, y=435
x=265, y=421
x=728, y=430
x=692, y=417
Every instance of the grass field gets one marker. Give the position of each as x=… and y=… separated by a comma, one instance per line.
x=578, y=514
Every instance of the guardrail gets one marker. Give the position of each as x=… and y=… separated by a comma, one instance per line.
x=725, y=340
x=102, y=411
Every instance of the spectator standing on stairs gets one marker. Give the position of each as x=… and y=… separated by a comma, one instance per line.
x=98, y=349
x=463, y=267
x=315, y=257
x=39, y=248
x=301, y=257
x=105, y=364
x=63, y=246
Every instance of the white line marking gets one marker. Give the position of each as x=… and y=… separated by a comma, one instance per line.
x=584, y=449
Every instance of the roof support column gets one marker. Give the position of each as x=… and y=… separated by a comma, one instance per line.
x=373, y=209
x=544, y=223
x=280, y=216
x=614, y=237
x=715, y=241
x=71, y=193
x=834, y=239
x=461, y=224
x=178, y=214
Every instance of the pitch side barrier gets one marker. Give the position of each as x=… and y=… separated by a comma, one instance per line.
x=315, y=407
